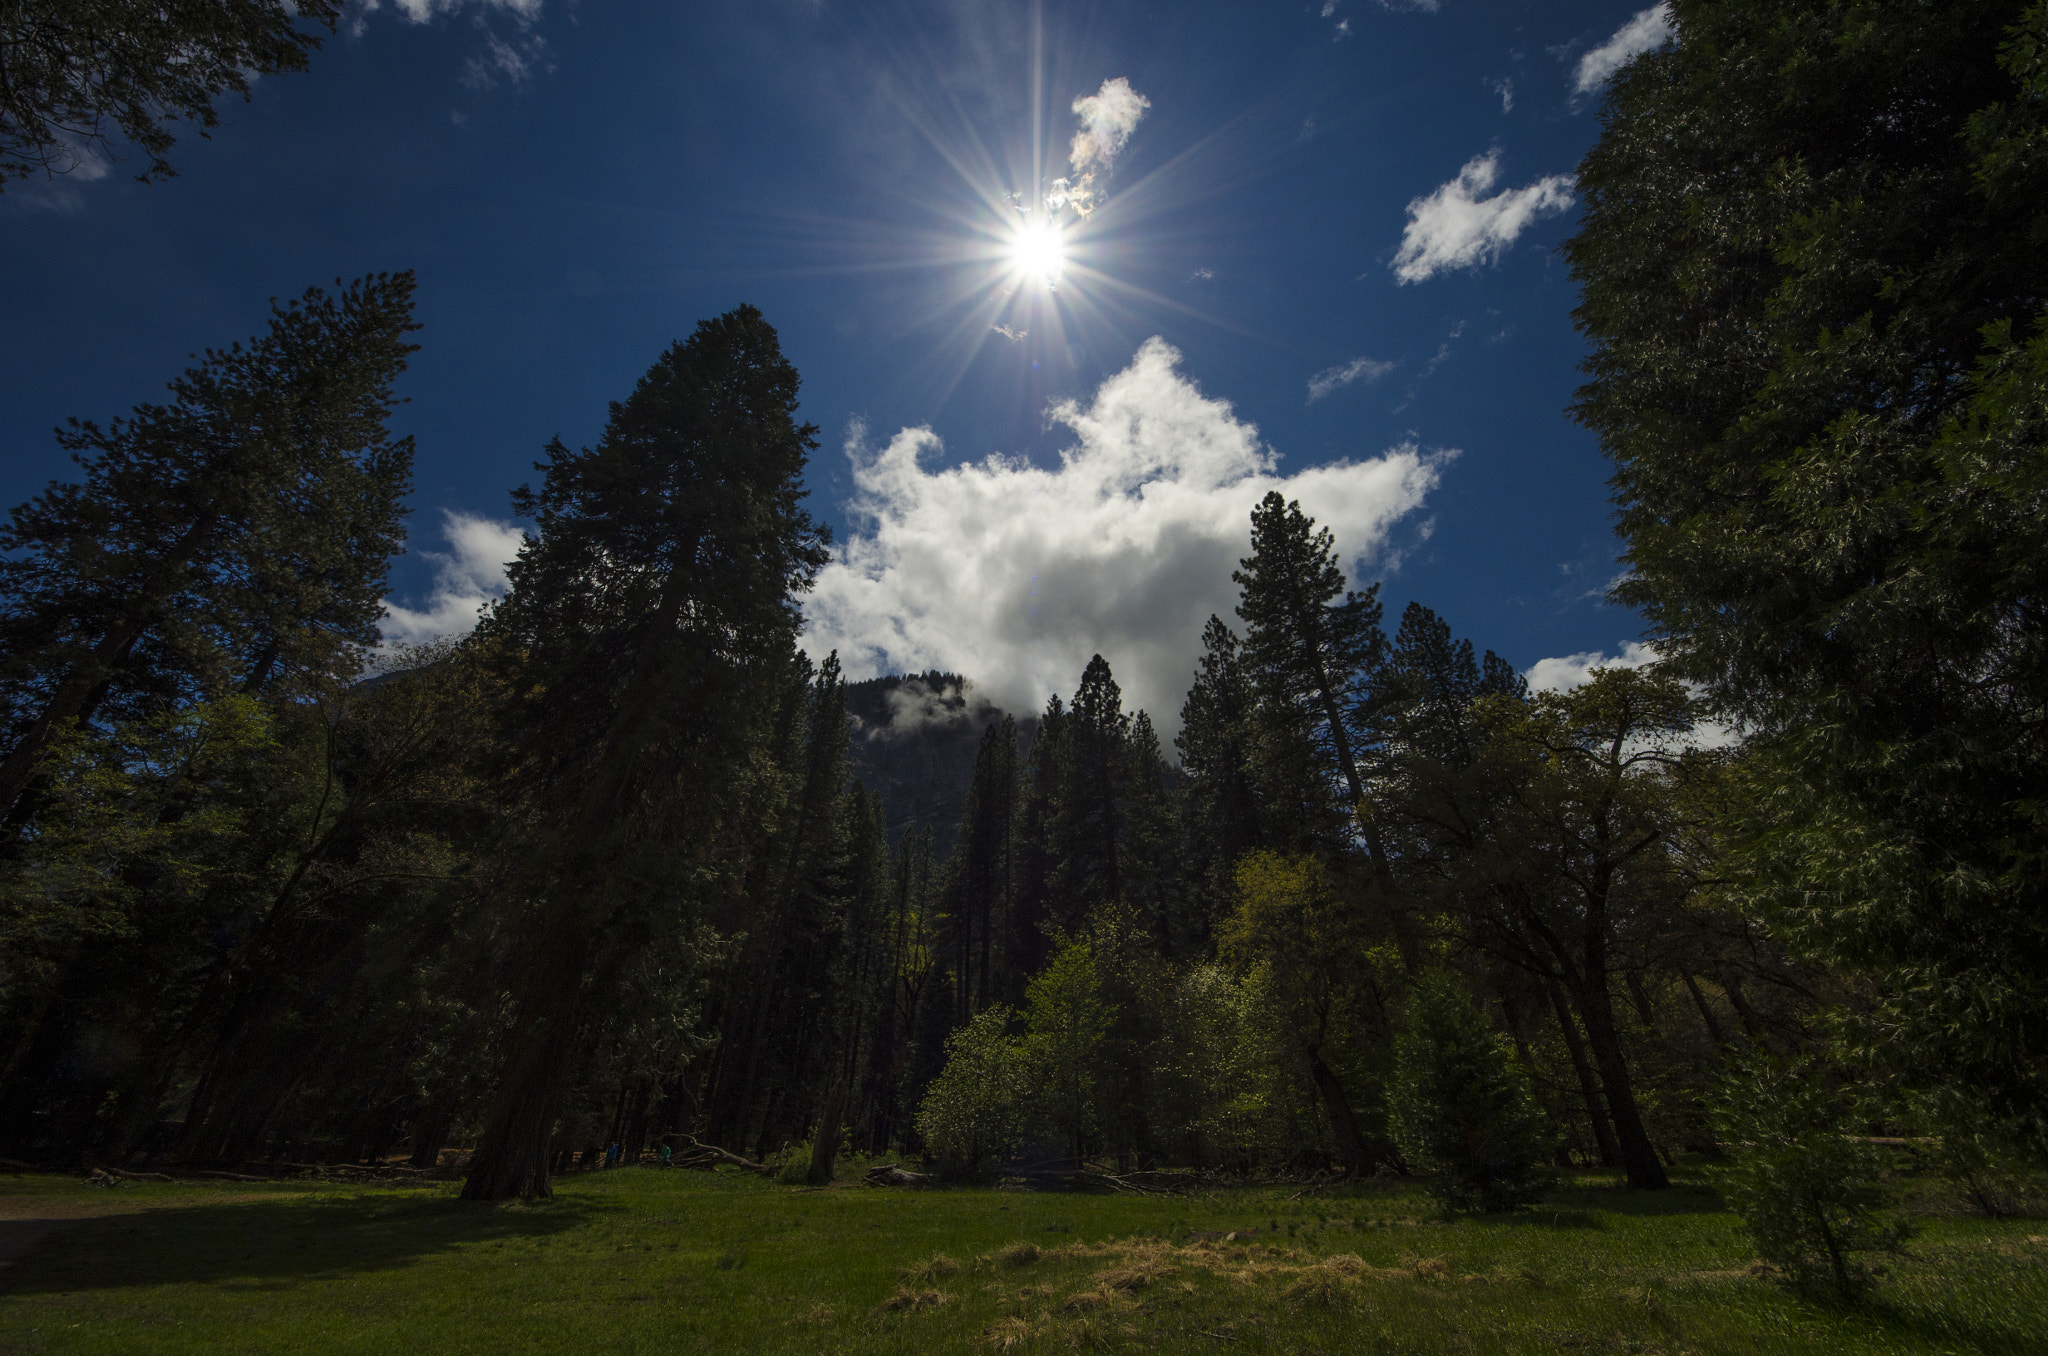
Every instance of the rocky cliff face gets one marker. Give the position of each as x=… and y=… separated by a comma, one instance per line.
x=914, y=741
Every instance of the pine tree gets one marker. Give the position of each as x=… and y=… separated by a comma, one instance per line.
x=656, y=594
x=1220, y=802
x=1462, y=1109
x=1309, y=654
x=235, y=538
x=984, y=879
x=72, y=67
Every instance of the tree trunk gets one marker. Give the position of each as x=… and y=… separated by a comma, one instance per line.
x=512, y=1160
x=1692, y=986
x=1638, y=1156
x=1343, y=1121
x=825, y=1143
x=1589, y=1086
x=430, y=1131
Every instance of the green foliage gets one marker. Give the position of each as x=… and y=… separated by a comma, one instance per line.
x=80, y=75
x=235, y=538
x=1983, y=1157
x=1818, y=364
x=975, y=1110
x=1811, y=1193
x=1066, y=1020
x=1461, y=1106
x=1218, y=1078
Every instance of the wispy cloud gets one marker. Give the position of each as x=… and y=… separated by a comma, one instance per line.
x=1505, y=88
x=1646, y=32
x=1010, y=332
x=420, y=11
x=514, y=62
x=1014, y=574
x=1457, y=227
x=470, y=574
x=1337, y=378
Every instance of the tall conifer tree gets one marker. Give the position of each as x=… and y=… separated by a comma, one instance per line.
x=657, y=594
x=230, y=539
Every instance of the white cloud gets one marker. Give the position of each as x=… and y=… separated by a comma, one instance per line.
x=1108, y=117
x=913, y=706
x=1010, y=332
x=1646, y=32
x=1505, y=88
x=468, y=575
x=1455, y=227
x=1343, y=374
x=1566, y=672
x=1014, y=574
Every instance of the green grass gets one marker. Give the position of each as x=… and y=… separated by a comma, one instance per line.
x=640, y=1260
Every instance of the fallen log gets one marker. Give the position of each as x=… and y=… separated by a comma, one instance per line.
x=889, y=1174
x=127, y=1176
x=710, y=1156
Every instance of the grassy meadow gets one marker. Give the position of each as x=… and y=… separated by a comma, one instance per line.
x=641, y=1260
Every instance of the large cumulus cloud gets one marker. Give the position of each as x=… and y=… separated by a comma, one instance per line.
x=1014, y=574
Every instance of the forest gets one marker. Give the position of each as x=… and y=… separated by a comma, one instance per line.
x=618, y=868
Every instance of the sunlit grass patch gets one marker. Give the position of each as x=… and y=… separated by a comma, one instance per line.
x=645, y=1261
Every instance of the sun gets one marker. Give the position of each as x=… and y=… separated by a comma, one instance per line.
x=1037, y=251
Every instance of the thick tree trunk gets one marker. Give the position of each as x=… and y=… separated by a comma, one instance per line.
x=1589, y=1086
x=512, y=1160
x=1351, y=1149
x=430, y=1131
x=1638, y=1156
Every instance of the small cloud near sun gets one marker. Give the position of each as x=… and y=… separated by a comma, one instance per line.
x=1010, y=332
x=1036, y=245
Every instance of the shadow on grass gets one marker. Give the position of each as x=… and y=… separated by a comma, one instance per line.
x=1941, y=1328
x=1547, y=1217
x=1677, y=1199
x=264, y=1244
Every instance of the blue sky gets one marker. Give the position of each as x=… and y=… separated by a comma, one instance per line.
x=576, y=185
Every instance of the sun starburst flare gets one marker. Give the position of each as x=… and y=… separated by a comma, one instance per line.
x=1038, y=251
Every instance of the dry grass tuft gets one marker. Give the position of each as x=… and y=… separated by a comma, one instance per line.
x=1019, y=1255
x=912, y=1300
x=931, y=1269
x=1007, y=1334
x=1320, y=1286
x=1432, y=1269
x=1134, y=1275
x=1086, y=1302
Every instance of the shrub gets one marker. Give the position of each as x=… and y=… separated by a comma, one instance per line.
x=1462, y=1110
x=1810, y=1195
x=973, y=1112
x=1984, y=1157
